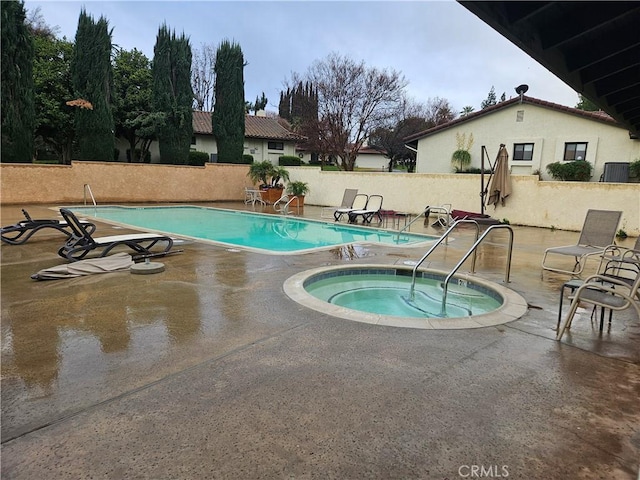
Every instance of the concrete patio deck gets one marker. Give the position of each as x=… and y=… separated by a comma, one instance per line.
x=208, y=370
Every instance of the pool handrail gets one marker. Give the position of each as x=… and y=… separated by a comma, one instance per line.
x=435, y=245
x=87, y=188
x=442, y=210
x=445, y=286
x=285, y=209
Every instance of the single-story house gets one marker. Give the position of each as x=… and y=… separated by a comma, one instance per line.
x=264, y=137
x=368, y=158
x=536, y=133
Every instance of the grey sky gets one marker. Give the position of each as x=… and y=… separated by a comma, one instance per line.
x=442, y=49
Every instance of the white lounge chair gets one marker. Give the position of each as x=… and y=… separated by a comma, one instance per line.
x=347, y=202
x=359, y=202
x=371, y=209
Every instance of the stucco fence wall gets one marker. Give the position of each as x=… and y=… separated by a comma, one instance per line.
x=561, y=205
x=546, y=204
x=121, y=182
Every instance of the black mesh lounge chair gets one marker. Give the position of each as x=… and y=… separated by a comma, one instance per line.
x=372, y=209
x=598, y=232
x=81, y=242
x=22, y=231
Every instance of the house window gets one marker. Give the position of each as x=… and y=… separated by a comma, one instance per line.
x=276, y=146
x=523, y=151
x=193, y=140
x=575, y=151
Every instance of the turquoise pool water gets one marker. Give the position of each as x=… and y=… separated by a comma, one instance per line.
x=255, y=231
x=385, y=291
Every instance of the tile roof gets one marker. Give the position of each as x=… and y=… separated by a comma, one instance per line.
x=599, y=116
x=255, y=127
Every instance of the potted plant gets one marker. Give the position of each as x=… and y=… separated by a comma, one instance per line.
x=261, y=172
x=298, y=189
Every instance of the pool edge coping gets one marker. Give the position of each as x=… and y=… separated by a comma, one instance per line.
x=513, y=307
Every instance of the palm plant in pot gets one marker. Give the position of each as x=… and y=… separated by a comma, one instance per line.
x=261, y=172
x=270, y=178
x=298, y=189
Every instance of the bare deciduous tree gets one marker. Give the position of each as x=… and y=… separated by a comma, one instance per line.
x=353, y=100
x=202, y=77
x=409, y=118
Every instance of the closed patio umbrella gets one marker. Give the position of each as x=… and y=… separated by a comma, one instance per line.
x=500, y=185
x=112, y=263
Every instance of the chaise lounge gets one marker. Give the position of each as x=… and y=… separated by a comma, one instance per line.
x=81, y=242
x=371, y=209
x=22, y=231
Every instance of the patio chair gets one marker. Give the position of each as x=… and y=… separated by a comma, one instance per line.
x=359, y=202
x=347, y=202
x=372, y=209
x=22, y=231
x=598, y=231
x=81, y=242
x=607, y=291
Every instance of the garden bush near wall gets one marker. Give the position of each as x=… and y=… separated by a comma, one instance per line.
x=248, y=159
x=198, y=159
x=634, y=169
x=289, y=161
x=577, y=171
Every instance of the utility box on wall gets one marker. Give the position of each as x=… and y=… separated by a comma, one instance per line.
x=615, y=172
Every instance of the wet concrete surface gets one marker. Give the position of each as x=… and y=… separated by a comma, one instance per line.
x=208, y=370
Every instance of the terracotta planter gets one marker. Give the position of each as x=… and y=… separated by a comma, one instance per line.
x=271, y=195
x=298, y=202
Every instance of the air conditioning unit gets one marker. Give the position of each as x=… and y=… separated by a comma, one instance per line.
x=615, y=172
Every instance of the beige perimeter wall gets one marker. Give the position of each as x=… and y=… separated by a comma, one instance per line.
x=534, y=203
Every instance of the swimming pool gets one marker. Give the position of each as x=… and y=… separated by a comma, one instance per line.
x=264, y=233
x=380, y=294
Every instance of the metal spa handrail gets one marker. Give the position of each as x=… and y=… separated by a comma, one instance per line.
x=435, y=245
x=472, y=250
x=443, y=308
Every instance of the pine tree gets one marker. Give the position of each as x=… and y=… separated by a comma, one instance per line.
x=284, y=107
x=173, y=95
x=17, y=103
x=490, y=100
x=228, y=114
x=92, y=78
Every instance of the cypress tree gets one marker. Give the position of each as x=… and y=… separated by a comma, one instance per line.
x=228, y=114
x=173, y=95
x=92, y=77
x=17, y=95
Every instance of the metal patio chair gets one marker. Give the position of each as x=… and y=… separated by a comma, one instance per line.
x=598, y=232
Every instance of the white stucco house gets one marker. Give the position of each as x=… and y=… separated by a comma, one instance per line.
x=536, y=133
x=264, y=137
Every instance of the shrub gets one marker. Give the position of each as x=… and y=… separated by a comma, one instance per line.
x=297, y=188
x=577, y=171
x=197, y=159
x=116, y=154
x=247, y=159
x=634, y=168
x=288, y=161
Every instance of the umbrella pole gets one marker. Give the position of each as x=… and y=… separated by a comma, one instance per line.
x=483, y=188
